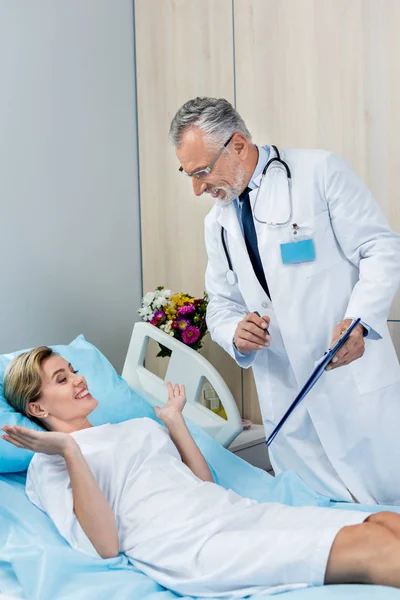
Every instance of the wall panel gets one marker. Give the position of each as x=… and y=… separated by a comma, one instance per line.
x=324, y=74
x=184, y=49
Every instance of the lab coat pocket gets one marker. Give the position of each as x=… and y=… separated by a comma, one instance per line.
x=378, y=368
x=327, y=251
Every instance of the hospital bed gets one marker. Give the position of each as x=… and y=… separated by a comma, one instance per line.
x=186, y=367
x=37, y=564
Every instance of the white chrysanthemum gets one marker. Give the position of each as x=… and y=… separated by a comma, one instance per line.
x=168, y=326
x=148, y=298
x=160, y=302
x=146, y=313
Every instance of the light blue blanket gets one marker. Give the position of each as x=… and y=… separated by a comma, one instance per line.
x=35, y=560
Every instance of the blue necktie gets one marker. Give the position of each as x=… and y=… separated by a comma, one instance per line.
x=250, y=237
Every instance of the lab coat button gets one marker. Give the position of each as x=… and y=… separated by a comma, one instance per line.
x=264, y=305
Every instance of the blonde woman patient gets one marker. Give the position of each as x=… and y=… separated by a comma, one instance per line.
x=145, y=489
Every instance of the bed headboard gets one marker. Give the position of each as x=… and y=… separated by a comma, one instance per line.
x=188, y=367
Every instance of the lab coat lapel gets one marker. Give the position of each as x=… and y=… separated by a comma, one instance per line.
x=250, y=286
x=267, y=242
x=228, y=219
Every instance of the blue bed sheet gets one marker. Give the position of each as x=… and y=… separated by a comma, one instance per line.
x=35, y=559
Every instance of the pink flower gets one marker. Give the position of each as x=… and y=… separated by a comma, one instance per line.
x=191, y=335
x=185, y=310
x=182, y=324
x=158, y=315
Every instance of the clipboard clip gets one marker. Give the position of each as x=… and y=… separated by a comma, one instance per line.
x=342, y=334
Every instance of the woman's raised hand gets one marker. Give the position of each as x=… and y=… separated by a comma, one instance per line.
x=174, y=406
x=46, y=442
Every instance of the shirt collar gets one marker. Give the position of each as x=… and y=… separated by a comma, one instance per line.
x=263, y=155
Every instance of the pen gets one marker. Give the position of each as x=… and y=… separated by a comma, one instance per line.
x=258, y=315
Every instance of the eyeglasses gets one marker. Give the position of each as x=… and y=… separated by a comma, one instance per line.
x=207, y=170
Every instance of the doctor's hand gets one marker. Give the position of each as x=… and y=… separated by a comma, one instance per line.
x=175, y=404
x=251, y=334
x=353, y=348
x=46, y=442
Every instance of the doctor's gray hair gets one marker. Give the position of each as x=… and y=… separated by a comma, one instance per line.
x=215, y=117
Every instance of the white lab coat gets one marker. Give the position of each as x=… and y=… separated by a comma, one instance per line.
x=344, y=436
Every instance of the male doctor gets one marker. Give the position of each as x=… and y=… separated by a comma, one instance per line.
x=295, y=253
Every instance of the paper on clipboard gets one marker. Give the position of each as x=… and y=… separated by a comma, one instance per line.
x=312, y=380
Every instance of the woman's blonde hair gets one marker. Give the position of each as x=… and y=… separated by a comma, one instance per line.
x=23, y=380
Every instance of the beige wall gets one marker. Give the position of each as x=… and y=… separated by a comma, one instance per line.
x=184, y=48
x=302, y=73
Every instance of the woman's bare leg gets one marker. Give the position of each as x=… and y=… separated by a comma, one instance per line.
x=390, y=520
x=367, y=553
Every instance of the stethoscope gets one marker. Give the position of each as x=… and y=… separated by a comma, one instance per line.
x=230, y=274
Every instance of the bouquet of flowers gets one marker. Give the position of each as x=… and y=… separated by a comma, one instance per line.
x=180, y=315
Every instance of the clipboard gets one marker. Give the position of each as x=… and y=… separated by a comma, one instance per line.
x=312, y=380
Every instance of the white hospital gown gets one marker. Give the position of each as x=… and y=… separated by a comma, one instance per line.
x=191, y=536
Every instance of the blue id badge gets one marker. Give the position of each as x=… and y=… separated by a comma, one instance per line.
x=298, y=252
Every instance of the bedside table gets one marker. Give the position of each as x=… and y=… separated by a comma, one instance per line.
x=250, y=445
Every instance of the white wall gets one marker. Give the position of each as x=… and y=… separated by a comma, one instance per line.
x=69, y=235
